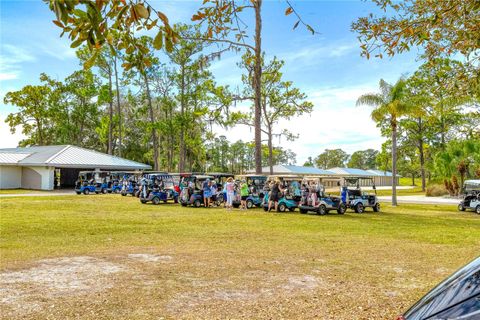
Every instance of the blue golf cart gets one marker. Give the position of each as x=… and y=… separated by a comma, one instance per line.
x=354, y=198
x=315, y=200
x=131, y=184
x=92, y=182
x=157, y=187
x=256, y=193
x=291, y=195
x=116, y=181
x=192, y=194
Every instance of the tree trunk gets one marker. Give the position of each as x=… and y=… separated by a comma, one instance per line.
x=270, y=150
x=119, y=112
x=257, y=78
x=394, y=163
x=181, y=146
x=413, y=179
x=152, y=122
x=422, y=164
x=110, y=112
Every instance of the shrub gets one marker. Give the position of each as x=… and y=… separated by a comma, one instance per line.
x=436, y=190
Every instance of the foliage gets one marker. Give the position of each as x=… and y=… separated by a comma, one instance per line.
x=363, y=159
x=331, y=158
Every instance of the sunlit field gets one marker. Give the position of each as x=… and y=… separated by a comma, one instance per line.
x=106, y=256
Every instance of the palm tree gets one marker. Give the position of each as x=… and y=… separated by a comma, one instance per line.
x=389, y=106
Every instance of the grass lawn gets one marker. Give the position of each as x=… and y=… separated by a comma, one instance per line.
x=20, y=191
x=109, y=257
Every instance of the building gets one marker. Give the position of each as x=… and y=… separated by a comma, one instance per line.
x=46, y=167
x=378, y=177
x=332, y=177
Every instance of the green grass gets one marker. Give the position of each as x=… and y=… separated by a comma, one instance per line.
x=20, y=191
x=368, y=266
x=407, y=181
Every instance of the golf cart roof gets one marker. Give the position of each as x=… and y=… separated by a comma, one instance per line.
x=203, y=177
x=220, y=174
x=285, y=177
x=251, y=175
x=472, y=182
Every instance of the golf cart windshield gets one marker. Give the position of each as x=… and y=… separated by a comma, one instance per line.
x=471, y=185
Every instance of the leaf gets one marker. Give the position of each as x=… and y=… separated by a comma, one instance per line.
x=288, y=11
x=296, y=24
x=91, y=61
x=310, y=29
x=141, y=11
x=168, y=45
x=158, y=41
x=76, y=43
x=58, y=23
x=163, y=17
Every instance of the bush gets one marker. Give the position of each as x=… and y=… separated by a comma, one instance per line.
x=436, y=190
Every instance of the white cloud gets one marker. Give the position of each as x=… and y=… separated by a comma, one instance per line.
x=11, y=59
x=334, y=123
x=9, y=140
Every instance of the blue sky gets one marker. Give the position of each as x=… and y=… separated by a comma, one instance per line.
x=327, y=67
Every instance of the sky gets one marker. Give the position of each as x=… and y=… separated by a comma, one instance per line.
x=327, y=67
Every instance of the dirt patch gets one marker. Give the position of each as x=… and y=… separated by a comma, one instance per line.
x=29, y=290
x=305, y=282
x=146, y=257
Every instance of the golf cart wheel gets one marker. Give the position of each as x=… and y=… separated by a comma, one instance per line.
x=359, y=208
x=183, y=204
x=78, y=192
x=282, y=207
x=322, y=210
x=341, y=209
x=303, y=211
x=86, y=192
x=461, y=207
x=124, y=194
x=477, y=210
x=156, y=200
x=249, y=204
x=265, y=208
x=197, y=203
x=291, y=209
x=143, y=201
x=236, y=205
x=117, y=191
x=376, y=208
x=175, y=200
x=104, y=191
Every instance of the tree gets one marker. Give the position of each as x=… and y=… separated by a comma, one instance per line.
x=363, y=159
x=331, y=158
x=280, y=100
x=389, y=106
x=440, y=27
x=309, y=162
x=33, y=113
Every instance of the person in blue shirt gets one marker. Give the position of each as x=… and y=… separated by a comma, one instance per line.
x=207, y=193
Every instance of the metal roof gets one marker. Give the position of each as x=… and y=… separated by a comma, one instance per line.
x=296, y=170
x=67, y=156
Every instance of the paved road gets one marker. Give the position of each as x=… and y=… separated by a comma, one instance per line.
x=421, y=200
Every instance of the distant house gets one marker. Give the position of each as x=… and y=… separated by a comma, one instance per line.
x=331, y=177
x=40, y=167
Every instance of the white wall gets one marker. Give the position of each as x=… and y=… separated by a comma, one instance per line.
x=40, y=178
x=10, y=177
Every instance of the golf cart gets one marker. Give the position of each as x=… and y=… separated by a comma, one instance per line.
x=92, y=181
x=220, y=179
x=116, y=181
x=193, y=193
x=355, y=199
x=291, y=195
x=471, y=200
x=256, y=193
x=314, y=198
x=159, y=187
x=131, y=184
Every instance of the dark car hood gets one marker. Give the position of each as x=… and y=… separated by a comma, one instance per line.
x=463, y=284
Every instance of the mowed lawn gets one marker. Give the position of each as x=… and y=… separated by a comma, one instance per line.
x=110, y=257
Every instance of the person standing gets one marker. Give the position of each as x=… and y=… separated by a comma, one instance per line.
x=274, y=195
x=230, y=188
x=243, y=194
x=207, y=193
